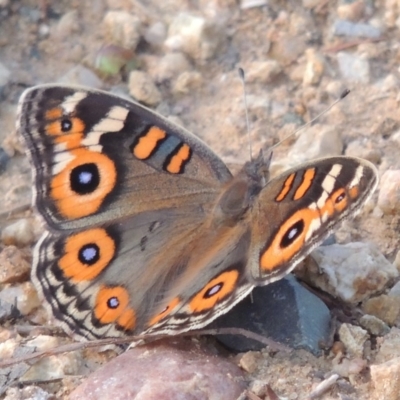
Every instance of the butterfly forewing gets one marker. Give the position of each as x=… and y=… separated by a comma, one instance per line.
x=98, y=157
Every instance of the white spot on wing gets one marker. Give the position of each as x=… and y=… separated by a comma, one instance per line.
x=113, y=122
x=314, y=226
x=60, y=147
x=322, y=200
x=70, y=102
x=313, y=206
x=328, y=184
x=357, y=177
x=61, y=160
x=324, y=217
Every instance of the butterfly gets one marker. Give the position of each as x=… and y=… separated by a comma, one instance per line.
x=147, y=231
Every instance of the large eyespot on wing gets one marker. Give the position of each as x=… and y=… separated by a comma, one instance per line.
x=112, y=306
x=81, y=183
x=200, y=309
x=311, y=201
x=215, y=291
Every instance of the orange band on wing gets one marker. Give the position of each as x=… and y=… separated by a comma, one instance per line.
x=178, y=160
x=214, y=291
x=54, y=113
x=354, y=191
x=72, y=205
x=112, y=306
x=287, y=185
x=148, y=143
x=80, y=267
x=308, y=177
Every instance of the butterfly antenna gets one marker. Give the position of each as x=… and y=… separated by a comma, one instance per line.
x=341, y=97
x=243, y=79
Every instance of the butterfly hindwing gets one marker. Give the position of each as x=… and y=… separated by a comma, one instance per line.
x=150, y=273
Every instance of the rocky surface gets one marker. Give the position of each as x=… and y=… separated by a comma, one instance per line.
x=181, y=58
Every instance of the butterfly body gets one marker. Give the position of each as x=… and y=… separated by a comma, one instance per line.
x=147, y=229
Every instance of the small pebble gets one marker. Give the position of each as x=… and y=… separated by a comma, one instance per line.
x=288, y=49
x=143, y=89
x=171, y=66
x=314, y=68
x=353, y=337
x=68, y=24
x=155, y=34
x=23, y=296
x=249, y=361
x=28, y=393
x=351, y=29
x=374, y=325
x=384, y=307
x=123, y=28
x=348, y=368
x=195, y=36
x=20, y=233
x=13, y=266
x=395, y=290
x=389, y=192
x=388, y=346
x=352, y=272
x=353, y=67
x=385, y=380
x=54, y=367
x=246, y=4
x=352, y=11
x=187, y=82
x=263, y=71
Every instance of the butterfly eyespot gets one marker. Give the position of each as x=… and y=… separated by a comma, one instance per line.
x=213, y=291
x=292, y=233
x=82, y=180
x=86, y=254
x=89, y=254
x=340, y=197
x=216, y=290
x=66, y=125
x=112, y=306
x=85, y=178
x=113, y=302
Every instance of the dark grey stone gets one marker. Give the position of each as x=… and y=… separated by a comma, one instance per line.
x=284, y=311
